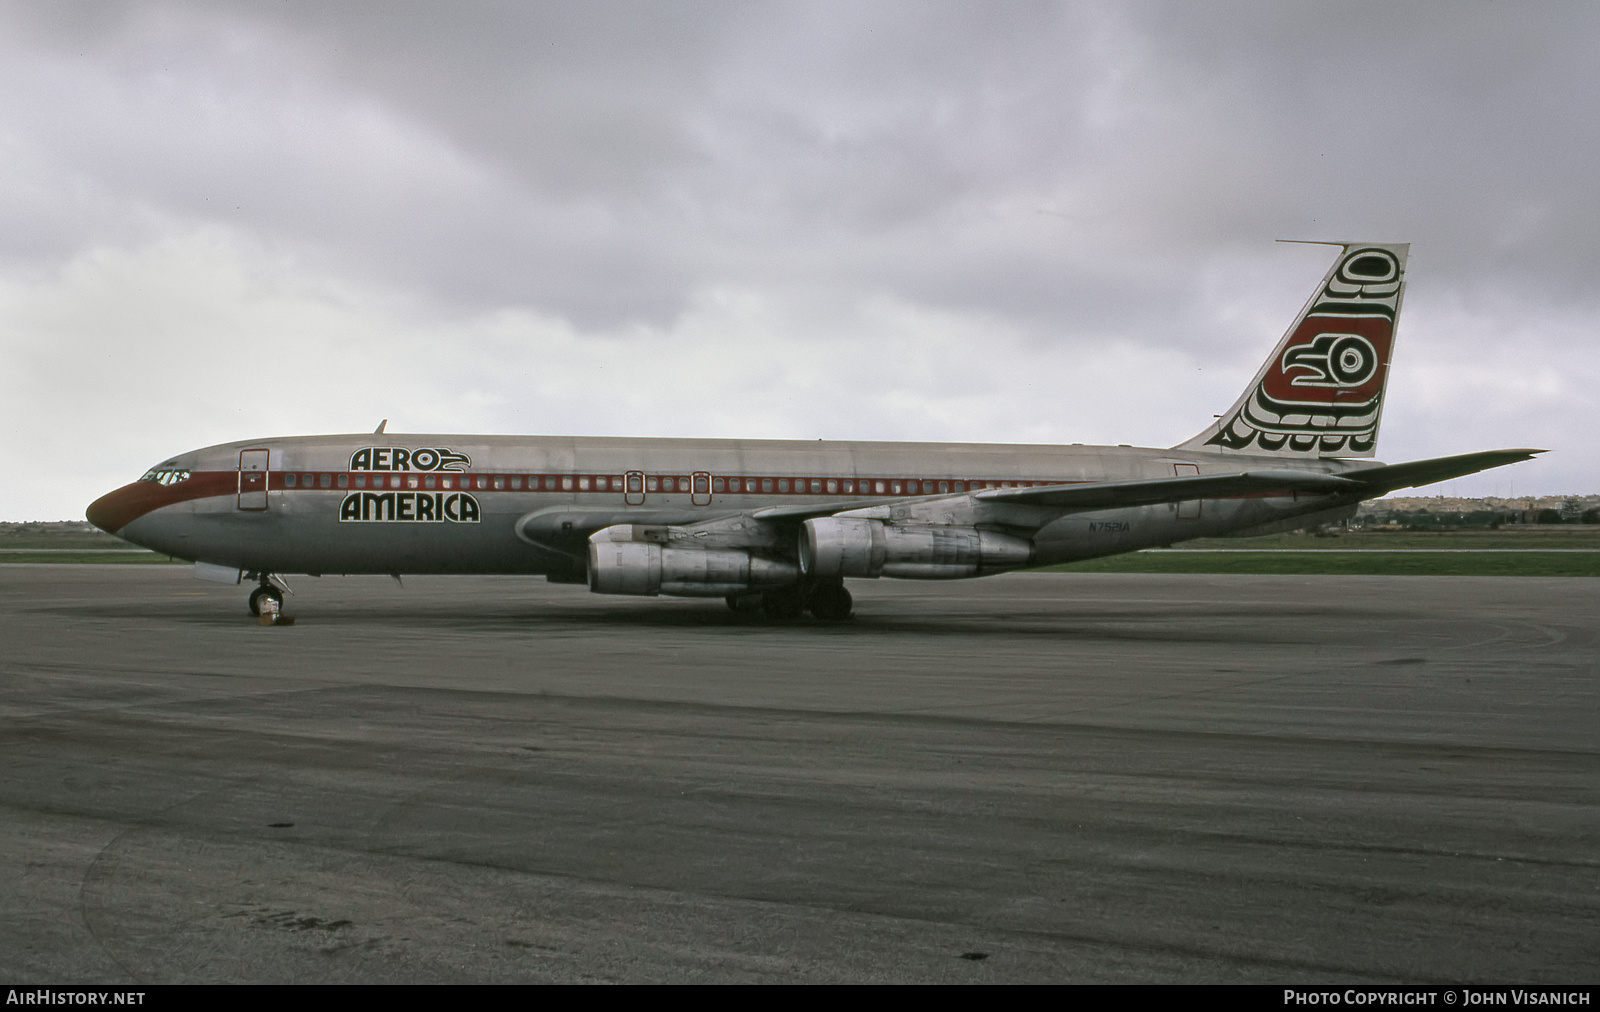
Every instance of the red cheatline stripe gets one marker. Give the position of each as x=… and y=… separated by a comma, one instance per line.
x=117, y=509
x=652, y=483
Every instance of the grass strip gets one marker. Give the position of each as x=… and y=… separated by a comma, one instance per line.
x=121, y=558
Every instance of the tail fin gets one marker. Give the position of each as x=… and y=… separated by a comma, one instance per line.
x=1321, y=392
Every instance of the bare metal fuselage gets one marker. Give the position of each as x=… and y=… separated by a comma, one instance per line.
x=323, y=507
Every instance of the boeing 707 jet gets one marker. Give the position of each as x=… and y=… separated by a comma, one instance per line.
x=782, y=524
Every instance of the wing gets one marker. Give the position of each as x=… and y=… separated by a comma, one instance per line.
x=1145, y=492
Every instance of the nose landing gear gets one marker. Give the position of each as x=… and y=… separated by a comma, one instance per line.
x=271, y=587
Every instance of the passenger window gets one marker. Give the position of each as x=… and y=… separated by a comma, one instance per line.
x=290, y=480
x=499, y=481
x=326, y=481
x=445, y=482
x=702, y=483
x=566, y=484
x=816, y=484
x=849, y=487
x=635, y=483
x=766, y=484
x=716, y=485
x=344, y=481
x=944, y=486
x=833, y=486
x=652, y=484
x=895, y=487
x=516, y=483
x=429, y=481
x=361, y=481
x=583, y=483
x=308, y=480
x=783, y=484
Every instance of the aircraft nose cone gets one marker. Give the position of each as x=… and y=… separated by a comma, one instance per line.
x=114, y=510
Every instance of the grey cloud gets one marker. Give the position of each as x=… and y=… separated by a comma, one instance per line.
x=1091, y=179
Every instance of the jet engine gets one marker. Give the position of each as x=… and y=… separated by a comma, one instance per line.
x=846, y=546
x=621, y=561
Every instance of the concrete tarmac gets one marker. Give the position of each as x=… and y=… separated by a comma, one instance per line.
x=1074, y=778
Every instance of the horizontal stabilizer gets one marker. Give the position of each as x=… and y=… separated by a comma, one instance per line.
x=1115, y=494
x=1389, y=477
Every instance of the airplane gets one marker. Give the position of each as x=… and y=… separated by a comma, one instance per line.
x=779, y=525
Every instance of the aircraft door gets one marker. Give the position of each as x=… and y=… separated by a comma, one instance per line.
x=701, y=489
x=633, y=490
x=1190, y=509
x=253, y=479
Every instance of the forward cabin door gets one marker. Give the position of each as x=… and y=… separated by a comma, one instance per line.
x=701, y=496
x=253, y=479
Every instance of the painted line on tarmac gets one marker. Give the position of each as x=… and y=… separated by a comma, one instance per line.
x=1372, y=551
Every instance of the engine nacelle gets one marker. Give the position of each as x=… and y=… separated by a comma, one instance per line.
x=619, y=564
x=832, y=547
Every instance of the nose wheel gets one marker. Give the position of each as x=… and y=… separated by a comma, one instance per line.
x=262, y=593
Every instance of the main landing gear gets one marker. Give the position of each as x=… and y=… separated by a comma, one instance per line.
x=271, y=587
x=829, y=602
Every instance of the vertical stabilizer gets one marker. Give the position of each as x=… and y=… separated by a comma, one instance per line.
x=1320, y=394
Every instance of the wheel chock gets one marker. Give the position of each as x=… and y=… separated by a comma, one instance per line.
x=272, y=614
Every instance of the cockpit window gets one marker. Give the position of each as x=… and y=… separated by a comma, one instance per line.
x=165, y=476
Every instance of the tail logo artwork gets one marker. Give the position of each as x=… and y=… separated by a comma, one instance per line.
x=1324, y=392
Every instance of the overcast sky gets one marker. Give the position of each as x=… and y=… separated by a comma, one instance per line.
x=1024, y=222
